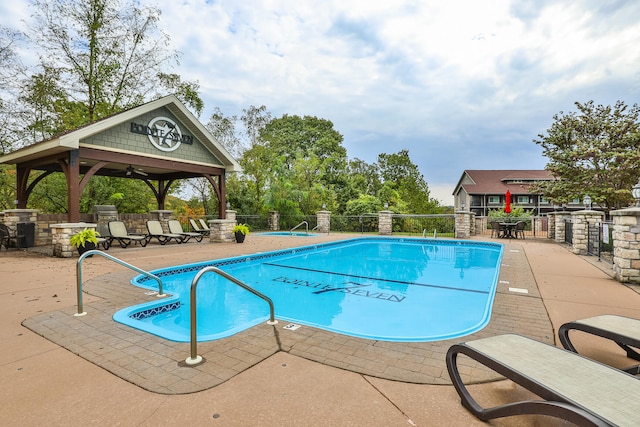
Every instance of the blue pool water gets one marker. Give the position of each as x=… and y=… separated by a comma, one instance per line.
x=377, y=288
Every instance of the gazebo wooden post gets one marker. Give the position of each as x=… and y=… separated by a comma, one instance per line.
x=222, y=197
x=72, y=174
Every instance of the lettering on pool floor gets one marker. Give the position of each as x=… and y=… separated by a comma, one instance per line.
x=352, y=288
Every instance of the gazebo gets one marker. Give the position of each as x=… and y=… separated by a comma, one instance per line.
x=158, y=142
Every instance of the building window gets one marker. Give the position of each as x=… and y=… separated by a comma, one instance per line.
x=523, y=200
x=494, y=200
x=544, y=201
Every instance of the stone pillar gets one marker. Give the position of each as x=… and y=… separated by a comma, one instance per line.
x=61, y=234
x=560, y=218
x=161, y=215
x=463, y=224
x=324, y=221
x=551, y=225
x=581, y=221
x=221, y=228
x=274, y=220
x=481, y=223
x=626, y=245
x=385, y=223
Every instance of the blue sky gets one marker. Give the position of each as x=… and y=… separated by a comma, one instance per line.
x=461, y=84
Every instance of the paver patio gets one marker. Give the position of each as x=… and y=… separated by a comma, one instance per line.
x=71, y=370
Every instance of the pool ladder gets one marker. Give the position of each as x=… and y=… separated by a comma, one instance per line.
x=194, y=358
x=305, y=223
x=87, y=254
x=424, y=233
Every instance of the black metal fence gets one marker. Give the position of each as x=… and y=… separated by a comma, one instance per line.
x=425, y=225
x=365, y=223
x=568, y=231
x=600, y=240
x=255, y=222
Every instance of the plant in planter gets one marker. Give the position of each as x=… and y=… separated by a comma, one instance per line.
x=240, y=231
x=85, y=240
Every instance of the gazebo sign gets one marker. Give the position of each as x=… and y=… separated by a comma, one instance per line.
x=163, y=133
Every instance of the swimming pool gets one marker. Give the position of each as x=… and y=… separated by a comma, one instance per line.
x=391, y=289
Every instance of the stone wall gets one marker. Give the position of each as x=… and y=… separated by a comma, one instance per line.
x=626, y=245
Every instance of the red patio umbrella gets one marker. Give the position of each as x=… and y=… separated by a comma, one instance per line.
x=507, y=202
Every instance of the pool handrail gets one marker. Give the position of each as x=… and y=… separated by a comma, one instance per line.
x=80, y=312
x=302, y=223
x=194, y=358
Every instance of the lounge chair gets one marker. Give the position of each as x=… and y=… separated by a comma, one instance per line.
x=574, y=388
x=155, y=231
x=204, y=226
x=118, y=231
x=624, y=331
x=105, y=238
x=7, y=235
x=195, y=227
x=176, y=228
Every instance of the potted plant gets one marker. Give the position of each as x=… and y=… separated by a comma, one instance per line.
x=240, y=231
x=85, y=240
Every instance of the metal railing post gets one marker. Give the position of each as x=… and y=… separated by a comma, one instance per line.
x=116, y=260
x=194, y=358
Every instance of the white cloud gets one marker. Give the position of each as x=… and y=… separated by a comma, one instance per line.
x=461, y=85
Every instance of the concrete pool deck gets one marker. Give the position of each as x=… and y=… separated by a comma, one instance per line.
x=89, y=370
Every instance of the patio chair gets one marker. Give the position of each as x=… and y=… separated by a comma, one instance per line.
x=572, y=387
x=176, y=228
x=118, y=231
x=155, y=231
x=7, y=235
x=519, y=229
x=624, y=331
x=496, y=229
x=204, y=226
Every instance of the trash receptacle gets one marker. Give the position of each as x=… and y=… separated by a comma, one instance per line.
x=25, y=234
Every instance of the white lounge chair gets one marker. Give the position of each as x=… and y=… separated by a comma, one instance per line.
x=204, y=226
x=624, y=331
x=118, y=231
x=155, y=231
x=196, y=227
x=176, y=228
x=572, y=387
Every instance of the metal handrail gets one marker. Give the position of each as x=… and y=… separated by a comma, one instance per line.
x=112, y=258
x=303, y=222
x=194, y=358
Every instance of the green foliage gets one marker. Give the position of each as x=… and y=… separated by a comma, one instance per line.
x=516, y=212
x=82, y=237
x=240, y=228
x=7, y=186
x=364, y=204
x=401, y=174
x=594, y=152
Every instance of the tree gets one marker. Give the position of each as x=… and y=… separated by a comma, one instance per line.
x=403, y=175
x=593, y=151
x=10, y=70
x=109, y=55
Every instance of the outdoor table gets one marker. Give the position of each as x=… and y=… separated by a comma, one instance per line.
x=508, y=229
